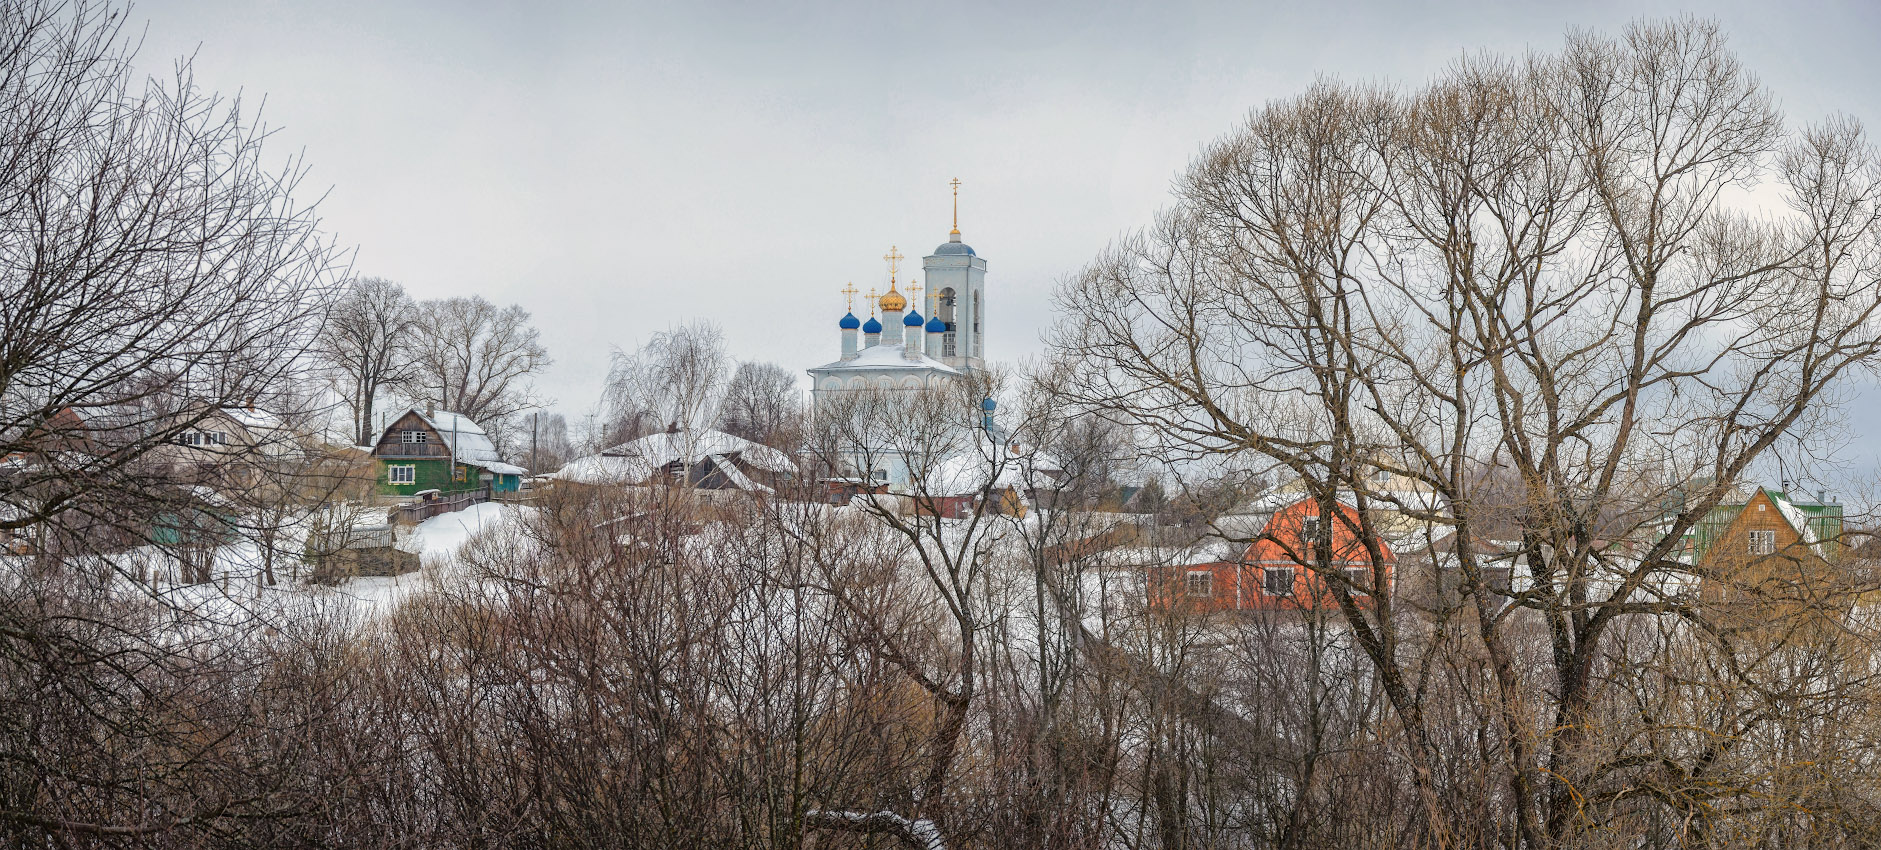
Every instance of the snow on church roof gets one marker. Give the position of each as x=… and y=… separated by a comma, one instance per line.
x=886, y=357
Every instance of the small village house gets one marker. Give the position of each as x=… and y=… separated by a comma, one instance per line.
x=1771, y=560
x=446, y=452
x=1271, y=573
x=229, y=446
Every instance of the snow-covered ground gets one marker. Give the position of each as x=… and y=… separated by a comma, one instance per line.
x=238, y=592
x=436, y=541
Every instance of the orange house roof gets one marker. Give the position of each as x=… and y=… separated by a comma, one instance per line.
x=1286, y=530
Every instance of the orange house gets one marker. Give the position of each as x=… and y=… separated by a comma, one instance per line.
x=1272, y=574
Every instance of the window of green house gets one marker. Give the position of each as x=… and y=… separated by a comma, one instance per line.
x=402, y=474
x=457, y=473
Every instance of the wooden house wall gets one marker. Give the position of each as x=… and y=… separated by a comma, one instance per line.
x=1741, y=585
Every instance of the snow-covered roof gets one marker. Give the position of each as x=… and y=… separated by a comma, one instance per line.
x=737, y=477
x=636, y=461
x=466, y=439
x=877, y=357
x=253, y=419
x=1794, y=516
x=602, y=469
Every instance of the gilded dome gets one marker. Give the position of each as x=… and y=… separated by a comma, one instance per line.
x=893, y=301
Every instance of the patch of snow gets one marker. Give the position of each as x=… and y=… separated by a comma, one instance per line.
x=442, y=535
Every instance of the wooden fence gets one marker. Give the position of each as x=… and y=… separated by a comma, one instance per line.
x=417, y=512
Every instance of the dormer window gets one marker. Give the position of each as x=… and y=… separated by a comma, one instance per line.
x=409, y=437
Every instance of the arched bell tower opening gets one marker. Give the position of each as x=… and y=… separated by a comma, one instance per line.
x=946, y=309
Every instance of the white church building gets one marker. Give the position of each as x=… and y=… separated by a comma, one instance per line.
x=904, y=349
x=912, y=346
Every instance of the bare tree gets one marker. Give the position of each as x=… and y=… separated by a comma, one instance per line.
x=366, y=341
x=156, y=271
x=471, y=357
x=676, y=380
x=1529, y=266
x=549, y=444
x=762, y=404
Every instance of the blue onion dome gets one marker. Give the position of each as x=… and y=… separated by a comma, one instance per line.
x=849, y=322
x=871, y=326
x=936, y=326
x=913, y=319
x=989, y=405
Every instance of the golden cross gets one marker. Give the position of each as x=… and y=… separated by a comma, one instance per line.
x=849, y=296
x=956, y=185
x=871, y=301
x=894, y=259
x=914, y=291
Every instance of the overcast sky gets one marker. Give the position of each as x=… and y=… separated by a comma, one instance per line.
x=618, y=169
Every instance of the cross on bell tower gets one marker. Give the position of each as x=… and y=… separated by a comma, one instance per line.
x=956, y=185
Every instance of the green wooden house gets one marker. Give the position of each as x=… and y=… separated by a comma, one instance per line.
x=446, y=452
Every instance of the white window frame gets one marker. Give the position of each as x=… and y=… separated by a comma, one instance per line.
x=1206, y=583
x=1360, y=578
x=413, y=436
x=1763, y=541
x=1310, y=530
x=409, y=470
x=1269, y=574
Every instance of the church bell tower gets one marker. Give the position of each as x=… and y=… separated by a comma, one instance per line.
x=956, y=290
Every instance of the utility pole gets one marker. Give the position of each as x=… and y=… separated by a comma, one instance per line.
x=535, y=461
